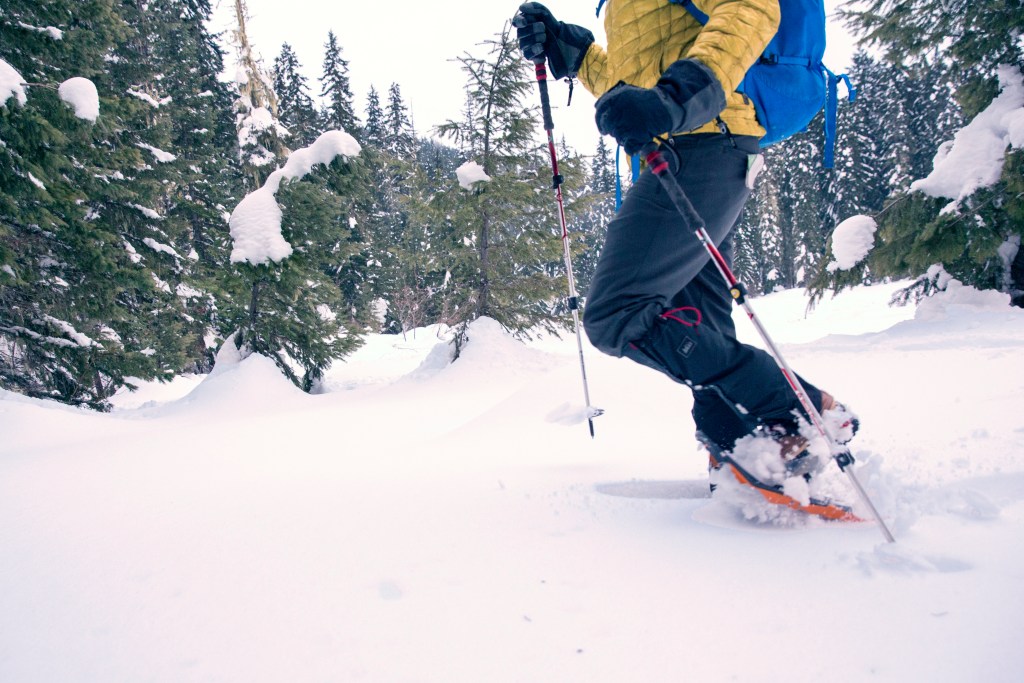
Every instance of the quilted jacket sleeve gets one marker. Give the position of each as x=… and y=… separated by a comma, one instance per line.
x=734, y=37
x=593, y=72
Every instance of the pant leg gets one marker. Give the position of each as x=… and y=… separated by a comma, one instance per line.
x=651, y=261
x=650, y=254
x=716, y=417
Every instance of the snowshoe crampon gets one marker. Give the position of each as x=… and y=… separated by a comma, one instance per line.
x=776, y=495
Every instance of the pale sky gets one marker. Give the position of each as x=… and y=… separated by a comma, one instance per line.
x=415, y=42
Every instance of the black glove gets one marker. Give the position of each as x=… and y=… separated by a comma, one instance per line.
x=687, y=96
x=541, y=36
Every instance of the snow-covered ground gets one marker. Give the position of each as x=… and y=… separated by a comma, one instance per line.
x=456, y=523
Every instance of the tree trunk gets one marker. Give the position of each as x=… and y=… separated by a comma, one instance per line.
x=255, y=89
x=483, y=303
x=254, y=299
x=1017, y=278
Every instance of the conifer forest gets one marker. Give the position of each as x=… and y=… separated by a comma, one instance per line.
x=115, y=233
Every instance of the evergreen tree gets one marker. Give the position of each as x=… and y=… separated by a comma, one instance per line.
x=399, y=136
x=204, y=140
x=294, y=104
x=292, y=310
x=975, y=36
x=862, y=163
x=439, y=163
x=782, y=236
x=87, y=294
x=804, y=225
x=602, y=169
x=298, y=315
x=340, y=113
x=374, y=133
x=756, y=258
x=502, y=235
x=879, y=162
x=968, y=41
x=581, y=206
x=393, y=181
x=408, y=277
x=195, y=169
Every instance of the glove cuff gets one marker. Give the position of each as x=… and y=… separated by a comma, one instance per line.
x=565, y=56
x=692, y=94
x=579, y=39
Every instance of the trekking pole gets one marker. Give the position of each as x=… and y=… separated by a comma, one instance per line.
x=556, y=185
x=660, y=167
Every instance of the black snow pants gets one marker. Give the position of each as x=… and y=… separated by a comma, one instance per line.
x=658, y=299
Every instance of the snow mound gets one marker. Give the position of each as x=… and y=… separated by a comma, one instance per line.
x=958, y=298
x=81, y=94
x=852, y=241
x=491, y=345
x=489, y=350
x=437, y=359
x=9, y=398
x=471, y=173
x=974, y=159
x=139, y=393
x=240, y=384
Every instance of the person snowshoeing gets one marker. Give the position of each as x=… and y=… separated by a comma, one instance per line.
x=656, y=297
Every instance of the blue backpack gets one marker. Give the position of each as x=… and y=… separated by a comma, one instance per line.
x=789, y=84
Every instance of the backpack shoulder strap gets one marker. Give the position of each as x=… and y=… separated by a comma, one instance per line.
x=690, y=7
x=687, y=4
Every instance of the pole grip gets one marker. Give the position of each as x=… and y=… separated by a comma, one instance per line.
x=545, y=100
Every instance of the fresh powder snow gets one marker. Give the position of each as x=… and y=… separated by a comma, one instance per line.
x=51, y=31
x=67, y=328
x=161, y=247
x=36, y=181
x=974, y=158
x=149, y=99
x=158, y=154
x=251, y=122
x=146, y=211
x=11, y=85
x=256, y=221
x=471, y=173
x=81, y=94
x=423, y=520
x=852, y=241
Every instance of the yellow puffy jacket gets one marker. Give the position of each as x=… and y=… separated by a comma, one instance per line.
x=646, y=36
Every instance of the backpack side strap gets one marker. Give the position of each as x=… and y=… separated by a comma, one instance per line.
x=832, y=113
